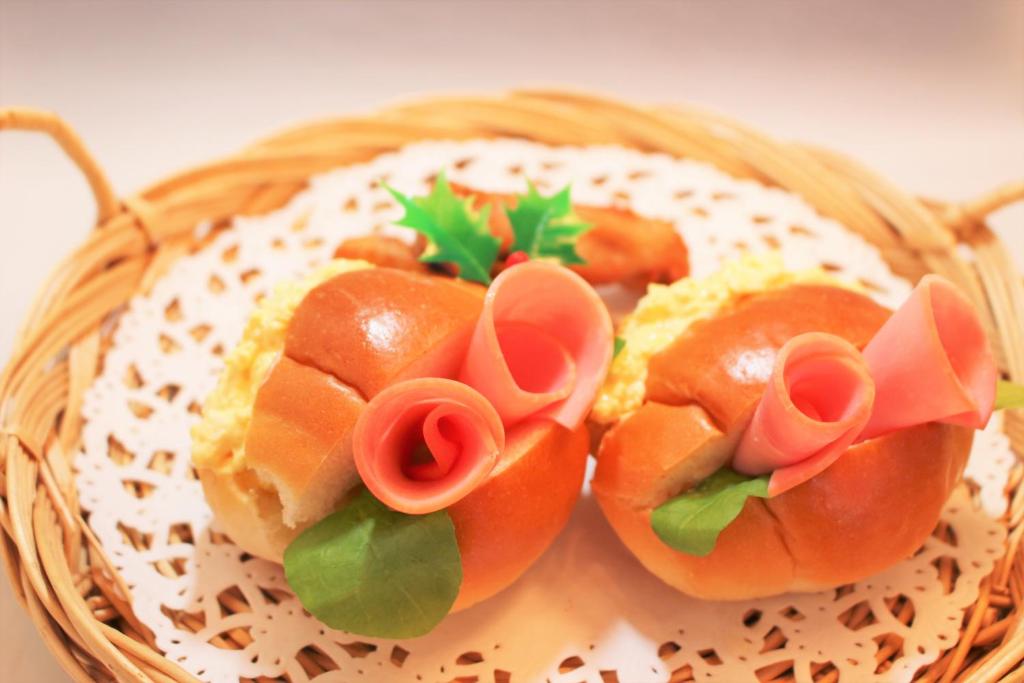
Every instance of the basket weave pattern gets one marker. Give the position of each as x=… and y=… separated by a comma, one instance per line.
x=59, y=571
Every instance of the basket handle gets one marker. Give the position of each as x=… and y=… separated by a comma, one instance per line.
x=23, y=118
x=978, y=209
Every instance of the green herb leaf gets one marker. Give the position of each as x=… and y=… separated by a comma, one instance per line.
x=1009, y=395
x=692, y=521
x=373, y=571
x=620, y=344
x=545, y=226
x=457, y=234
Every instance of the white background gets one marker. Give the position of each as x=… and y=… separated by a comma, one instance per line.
x=928, y=93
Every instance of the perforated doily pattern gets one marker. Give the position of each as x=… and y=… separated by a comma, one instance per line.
x=587, y=607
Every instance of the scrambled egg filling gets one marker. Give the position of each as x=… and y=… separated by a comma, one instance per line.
x=668, y=310
x=218, y=440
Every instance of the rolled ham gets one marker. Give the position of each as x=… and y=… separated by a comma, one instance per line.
x=542, y=345
x=423, y=444
x=931, y=362
x=817, y=401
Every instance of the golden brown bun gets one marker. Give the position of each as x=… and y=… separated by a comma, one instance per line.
x=624, y=248
x=308, y=415
x=619, y=248
x=875, y=506
x=371, y=328
x=723, y=363
x=386, y=252
x=506, y=523
x=346, y=340
x=248, y=512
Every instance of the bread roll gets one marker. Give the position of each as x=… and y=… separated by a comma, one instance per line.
x=347, y=338
x=873, y=507
x=620, y=247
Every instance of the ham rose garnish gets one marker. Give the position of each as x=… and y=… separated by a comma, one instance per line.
x=931, y=362
x=542, y=345
x=817, y=401
x=423, y=444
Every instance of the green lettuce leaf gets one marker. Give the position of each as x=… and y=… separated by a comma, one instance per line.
x=1009, y=396
x=457, y=234
x=373, y=571
x=620, y=344
x=545, y=227
x=692, y=521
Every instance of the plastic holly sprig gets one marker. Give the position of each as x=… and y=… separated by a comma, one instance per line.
x=457, y=234
x=542, y=228
x=545, y=227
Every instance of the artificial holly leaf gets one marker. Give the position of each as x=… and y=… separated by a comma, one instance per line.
x=692, y=521
x=373, y=571
x=545, y=227
x=1009, y=396
x=457, y=234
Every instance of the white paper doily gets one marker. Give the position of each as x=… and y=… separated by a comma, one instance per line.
x=587, y=608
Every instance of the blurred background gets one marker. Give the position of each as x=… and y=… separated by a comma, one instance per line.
x=929, y=93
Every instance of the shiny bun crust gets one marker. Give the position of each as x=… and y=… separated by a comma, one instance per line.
x=874, y=507
x=501, y=527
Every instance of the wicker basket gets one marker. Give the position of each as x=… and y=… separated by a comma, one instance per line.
x=57, y=568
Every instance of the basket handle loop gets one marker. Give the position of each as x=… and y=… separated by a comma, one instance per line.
x=23, y=118
x=993, y=201
x=967, y=219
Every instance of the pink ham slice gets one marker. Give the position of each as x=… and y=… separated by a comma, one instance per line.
x=542, y=345
x=931, y=362
x=817, y=401
x=423, y=444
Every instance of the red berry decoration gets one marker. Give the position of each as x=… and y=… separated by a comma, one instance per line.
x=515, y=258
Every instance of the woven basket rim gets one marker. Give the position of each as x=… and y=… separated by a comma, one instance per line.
x=58, y=569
